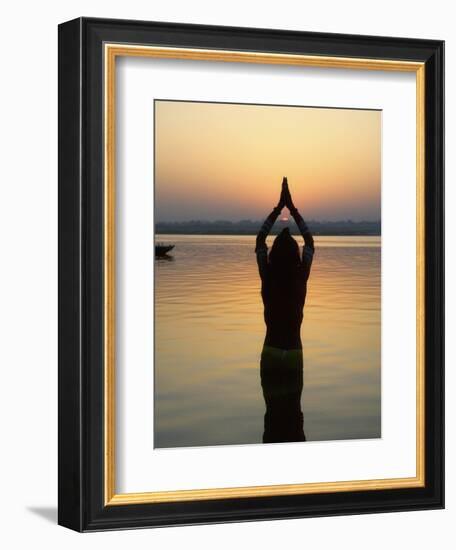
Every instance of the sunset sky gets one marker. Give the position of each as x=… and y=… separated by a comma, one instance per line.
x=218, y=161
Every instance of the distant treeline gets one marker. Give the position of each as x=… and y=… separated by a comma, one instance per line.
x=249, y=227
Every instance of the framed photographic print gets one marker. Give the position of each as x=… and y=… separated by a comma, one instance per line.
x=250, y=274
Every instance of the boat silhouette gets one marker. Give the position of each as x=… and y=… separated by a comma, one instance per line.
x=163, y=249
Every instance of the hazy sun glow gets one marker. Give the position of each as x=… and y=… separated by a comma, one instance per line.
x=226, y=161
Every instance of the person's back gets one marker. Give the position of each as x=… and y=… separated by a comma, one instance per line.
x=283, y=310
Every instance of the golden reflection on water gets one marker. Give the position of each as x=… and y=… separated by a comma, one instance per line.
x=209, y=333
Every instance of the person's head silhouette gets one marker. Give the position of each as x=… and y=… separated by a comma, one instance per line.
x=284, y=255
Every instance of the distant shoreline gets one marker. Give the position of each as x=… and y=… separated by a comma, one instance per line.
x=344, y=228
x=227, y=234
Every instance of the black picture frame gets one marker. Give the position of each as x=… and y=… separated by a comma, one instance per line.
x=81, y=399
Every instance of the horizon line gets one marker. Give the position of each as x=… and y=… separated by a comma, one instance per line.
x=249, y=220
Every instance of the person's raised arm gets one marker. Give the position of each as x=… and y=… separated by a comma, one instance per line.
x=302, y=226
x=309, y=247
x=261, y=249
x=269, y=222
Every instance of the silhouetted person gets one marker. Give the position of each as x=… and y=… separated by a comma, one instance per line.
x=284, y=277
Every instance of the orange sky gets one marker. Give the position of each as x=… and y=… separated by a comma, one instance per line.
x=221, y=161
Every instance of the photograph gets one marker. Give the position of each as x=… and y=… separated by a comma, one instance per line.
x=267, y=301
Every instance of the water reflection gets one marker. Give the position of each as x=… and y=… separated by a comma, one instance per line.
x=281, y=380
x=164, y=258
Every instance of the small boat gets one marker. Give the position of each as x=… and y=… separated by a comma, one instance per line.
x=163, y=249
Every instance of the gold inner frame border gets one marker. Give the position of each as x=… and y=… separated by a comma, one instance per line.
x=110, y=53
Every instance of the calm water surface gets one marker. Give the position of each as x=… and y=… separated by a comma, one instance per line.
x=209, y=333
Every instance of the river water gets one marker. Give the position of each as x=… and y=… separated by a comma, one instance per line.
x=209, y=333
